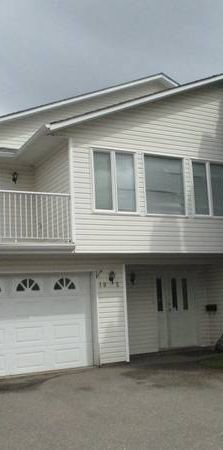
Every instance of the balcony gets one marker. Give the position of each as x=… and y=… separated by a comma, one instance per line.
x=34, y=217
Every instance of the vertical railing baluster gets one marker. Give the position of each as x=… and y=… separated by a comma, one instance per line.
x=4, y=215
x=68, y=217
x=47, y=216
x=31, y=216
x=41, y=211
x=15, y=211
x=20, y=215
x=57, y=218
x=62, y=215
x=52, y=218
x=37, y=217
x=26, y=216
x=10, y=217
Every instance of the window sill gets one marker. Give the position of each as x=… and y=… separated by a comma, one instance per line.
x=202, y=216
x=173, y=216
x=116, y=213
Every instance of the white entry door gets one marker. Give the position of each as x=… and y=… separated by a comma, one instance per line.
x=176, y=310
x=45, y=323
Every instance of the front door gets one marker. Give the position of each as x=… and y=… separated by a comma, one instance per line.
x=176, y=310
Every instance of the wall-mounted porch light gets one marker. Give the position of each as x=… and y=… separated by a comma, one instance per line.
x=14, y=177
x=132, y=278
x=111, y=276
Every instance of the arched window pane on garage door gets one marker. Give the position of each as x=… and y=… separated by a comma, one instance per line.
x=27, y=284
x=64, y=283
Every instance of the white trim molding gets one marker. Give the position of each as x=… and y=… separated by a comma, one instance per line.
x=165, y=79
x=61, y=124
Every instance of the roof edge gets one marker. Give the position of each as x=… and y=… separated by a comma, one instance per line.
x=64, y=123
x=45, y=107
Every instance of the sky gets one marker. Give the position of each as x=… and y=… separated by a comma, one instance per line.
x=54, y=49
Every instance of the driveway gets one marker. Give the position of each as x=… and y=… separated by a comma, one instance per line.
x=171, y=405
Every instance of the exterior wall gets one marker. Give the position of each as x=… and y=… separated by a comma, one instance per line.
x=142, y=312
x=52, y=174
x=215, y=295
x=25, y=180
x=187, y=126
x=142, y=308
x=15, y=133
x=110, y=327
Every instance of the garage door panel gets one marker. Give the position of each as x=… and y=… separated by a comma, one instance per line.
x=3, y=338
x=44, y=330
x=29, y=334
x=33, y=360
x=72, y=356
x=76, y=329
x=70, y=306
x=3, y=365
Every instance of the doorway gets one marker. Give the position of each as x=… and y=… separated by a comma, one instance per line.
x=175, y=309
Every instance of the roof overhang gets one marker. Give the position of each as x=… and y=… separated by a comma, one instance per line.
x=61, y=124
x=167, y=81
x=48, y=137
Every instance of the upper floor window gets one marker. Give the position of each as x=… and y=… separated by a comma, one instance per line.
x=208, y=188
x=200, y=188
x=114, y=180
x=164, y=185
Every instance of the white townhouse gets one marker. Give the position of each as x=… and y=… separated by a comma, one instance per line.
x=111, y=225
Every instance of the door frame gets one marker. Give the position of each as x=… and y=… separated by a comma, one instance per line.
x=164, y=274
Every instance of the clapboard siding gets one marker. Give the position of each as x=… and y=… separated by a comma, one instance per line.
x=189, y=126
x=52, y=174
x=112, y=330
x=215, y=295
x=142, y=314
x=200, y=285
x=25, y=181
x=142, y=308
x=15, y=133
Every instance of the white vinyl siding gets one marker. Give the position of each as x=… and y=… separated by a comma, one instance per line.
x=112, y=320
x=25, y=179
x=52, y=174
x=175, y=127
x=142, y=311
x=164, y=185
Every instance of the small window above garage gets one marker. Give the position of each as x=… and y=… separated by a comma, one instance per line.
x=27, y=284
x=64, y=283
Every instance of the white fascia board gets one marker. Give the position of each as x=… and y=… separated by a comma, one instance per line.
x=28, y=112
x=56, y=126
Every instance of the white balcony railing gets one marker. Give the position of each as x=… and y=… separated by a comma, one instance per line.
x=34, y=216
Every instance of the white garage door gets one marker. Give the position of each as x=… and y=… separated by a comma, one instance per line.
x=45, y=323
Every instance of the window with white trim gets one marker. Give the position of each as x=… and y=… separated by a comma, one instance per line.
x=114, y=181
x=208, y=188
x=164, y=185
